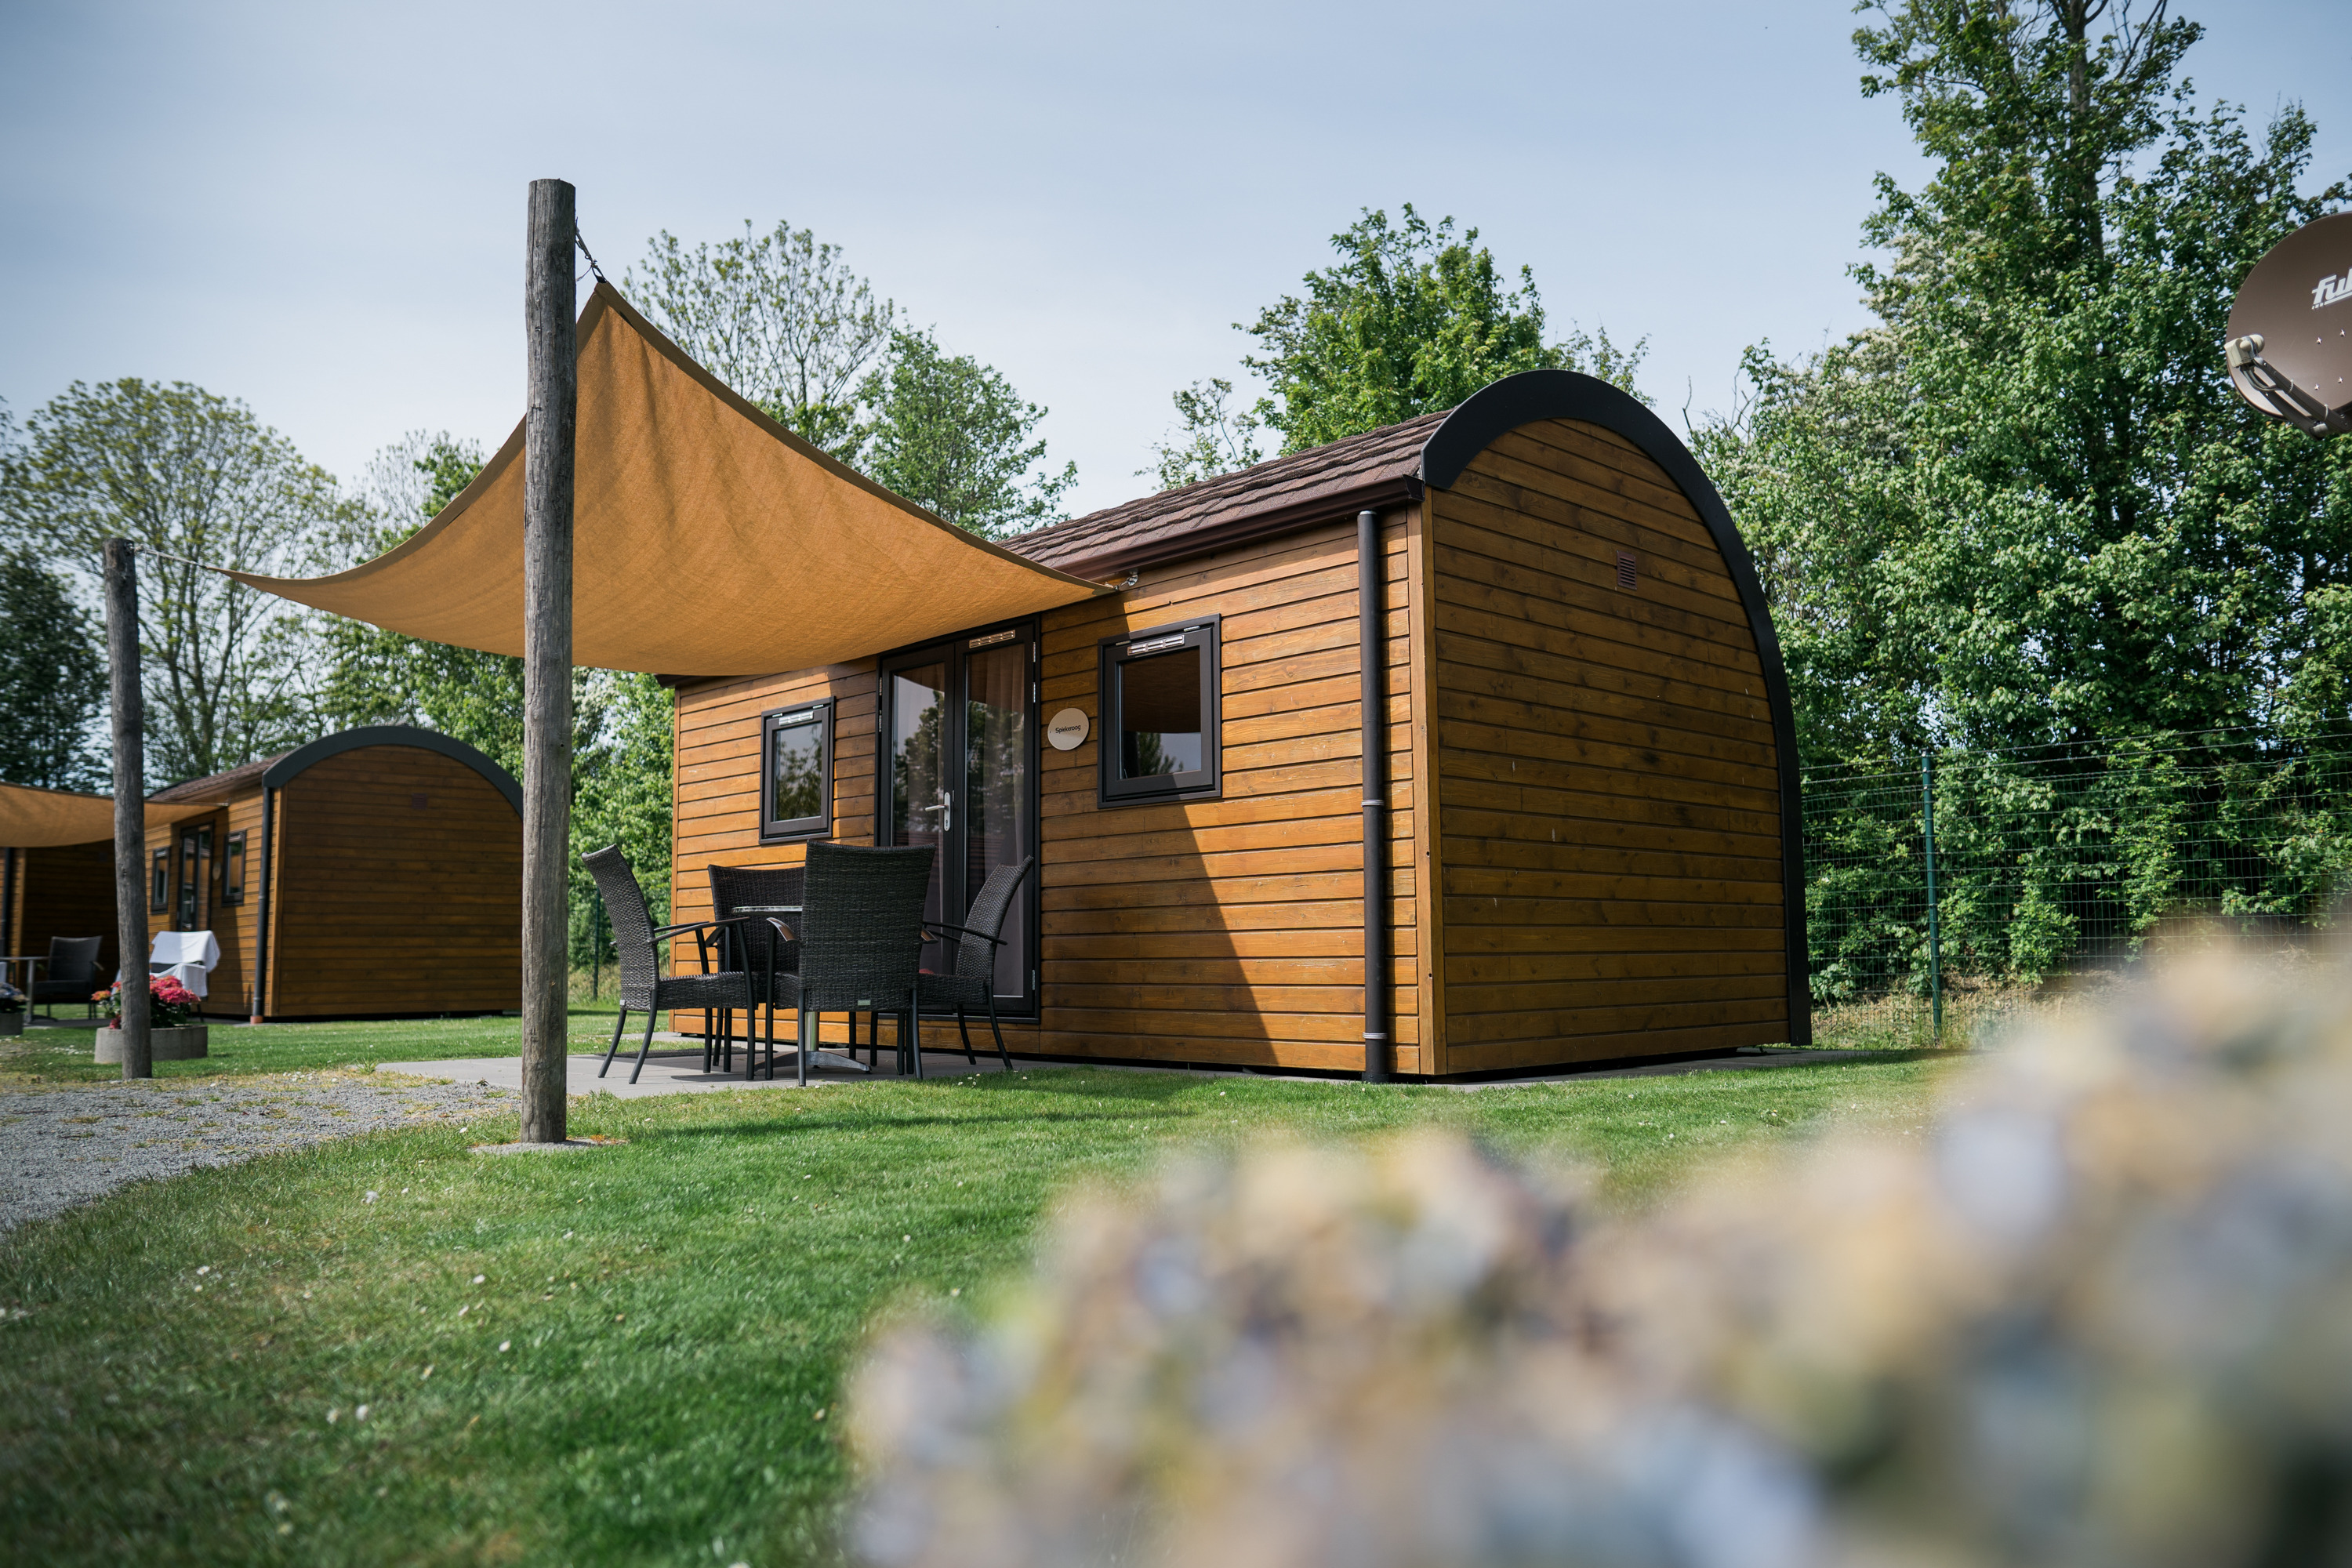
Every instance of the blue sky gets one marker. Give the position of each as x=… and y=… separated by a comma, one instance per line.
x=320, y=208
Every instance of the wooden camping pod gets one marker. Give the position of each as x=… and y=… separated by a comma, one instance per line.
x=66, y=889
x=376, y=873
x=1594, y=834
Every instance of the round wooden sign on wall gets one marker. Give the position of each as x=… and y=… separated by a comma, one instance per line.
x=1067, y=732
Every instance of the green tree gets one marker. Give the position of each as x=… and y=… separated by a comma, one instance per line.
x=2025, y=507
x=777, y=318
x=198, y=483
x=1412, y=318
x=621, y=794
x=1213, y=438
x=52, y=680
x=951, y=434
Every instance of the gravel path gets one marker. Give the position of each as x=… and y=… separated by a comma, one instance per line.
x=59, y=1147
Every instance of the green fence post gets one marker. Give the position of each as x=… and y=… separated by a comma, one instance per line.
x=1935, y=933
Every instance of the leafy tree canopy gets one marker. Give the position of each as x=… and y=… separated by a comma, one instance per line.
x=2025, y=507
x=777, y=317
x=951, y=434
x=1412, y=318
x=52, y=680
x=196, y=482
x=1213, y=438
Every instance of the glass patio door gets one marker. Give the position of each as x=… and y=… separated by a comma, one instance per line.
x=959, y=729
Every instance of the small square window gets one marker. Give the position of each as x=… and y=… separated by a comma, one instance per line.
x=1160, y=724
x=233, y=870
x=796, y=772
x=159, y=882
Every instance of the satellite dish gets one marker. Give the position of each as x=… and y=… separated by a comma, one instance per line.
x=2290, y=343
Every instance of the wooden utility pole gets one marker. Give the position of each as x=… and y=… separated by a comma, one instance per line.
x=130, y=804
x=554, y=394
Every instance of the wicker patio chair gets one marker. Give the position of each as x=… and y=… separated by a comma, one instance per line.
x=861, y=942
x=755, y=947
x=970, y=986
x=69, y=975
x=637, y=946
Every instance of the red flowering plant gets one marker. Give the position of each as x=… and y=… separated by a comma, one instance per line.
x=170, y=1004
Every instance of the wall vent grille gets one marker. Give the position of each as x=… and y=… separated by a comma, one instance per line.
x=1629, y=573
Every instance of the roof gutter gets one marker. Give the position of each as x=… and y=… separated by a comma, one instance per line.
x=1398, y=489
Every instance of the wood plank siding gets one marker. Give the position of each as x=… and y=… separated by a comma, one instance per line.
x=1609, y=827
x=398, y=889
x=1213, y=930
x=66, y=891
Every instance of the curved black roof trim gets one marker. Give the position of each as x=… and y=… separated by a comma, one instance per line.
x=302, y=758
x=1538, y=395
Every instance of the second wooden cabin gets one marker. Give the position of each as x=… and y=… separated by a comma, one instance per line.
x=373, y=873
x=1592, y=835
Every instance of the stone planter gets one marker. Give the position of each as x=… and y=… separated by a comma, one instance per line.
x=180, y=1045
x=12, y=1022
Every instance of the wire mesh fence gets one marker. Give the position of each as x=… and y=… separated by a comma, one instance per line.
x=1943, y=890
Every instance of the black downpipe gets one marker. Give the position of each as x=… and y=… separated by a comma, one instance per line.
x=1371, y=634
x=261, y=911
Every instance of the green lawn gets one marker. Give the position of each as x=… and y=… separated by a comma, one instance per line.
x=63, y=1056
x=646, y=1372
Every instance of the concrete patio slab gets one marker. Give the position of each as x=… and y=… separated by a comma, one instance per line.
x=672, y=1073
x=680, y=1072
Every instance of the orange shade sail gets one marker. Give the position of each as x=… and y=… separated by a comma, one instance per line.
x=48, y=819
x=708, y=540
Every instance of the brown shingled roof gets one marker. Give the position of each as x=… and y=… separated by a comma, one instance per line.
x=1377, y=469
x=226, y=783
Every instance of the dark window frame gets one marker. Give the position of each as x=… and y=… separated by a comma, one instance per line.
x=233, y=852
x=796, y=829
x=159, y=879
x=1203, y=632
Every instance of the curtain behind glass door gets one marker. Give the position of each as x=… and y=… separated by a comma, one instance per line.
x=995, y=795
x=922, y=803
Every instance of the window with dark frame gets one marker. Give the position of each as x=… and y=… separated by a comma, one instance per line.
x=1161, y=736
x=159, y=882
x=233, y=870
x=796, y=772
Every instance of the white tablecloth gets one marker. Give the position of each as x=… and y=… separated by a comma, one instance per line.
x=187, y=956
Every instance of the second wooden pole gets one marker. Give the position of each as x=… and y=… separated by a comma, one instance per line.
x=128, y=704
x=548, y=441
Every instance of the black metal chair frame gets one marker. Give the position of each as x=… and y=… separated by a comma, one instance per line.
x=941, y=991
x=710, y=991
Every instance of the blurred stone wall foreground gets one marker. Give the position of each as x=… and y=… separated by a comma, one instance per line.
x=2100, y=1313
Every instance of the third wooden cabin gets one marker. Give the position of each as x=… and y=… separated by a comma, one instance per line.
x=1592, y=793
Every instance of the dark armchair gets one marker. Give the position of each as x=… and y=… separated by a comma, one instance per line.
x=970, y=986
x=636, y=945
x=860, y=933
x=71, y=974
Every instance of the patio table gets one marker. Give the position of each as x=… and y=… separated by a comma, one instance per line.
x=818, y=1057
